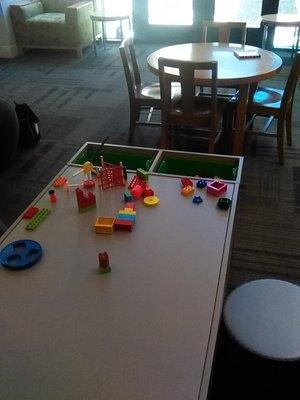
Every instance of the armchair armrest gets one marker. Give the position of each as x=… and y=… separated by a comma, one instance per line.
x=78, y=20
x=79, y=12
x=21, y=12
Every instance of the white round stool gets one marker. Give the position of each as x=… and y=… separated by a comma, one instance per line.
x=262, y=340
x=263, y=316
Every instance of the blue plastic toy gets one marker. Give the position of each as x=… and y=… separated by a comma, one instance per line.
x=201, y=184
x=197, y=199
x=20, y=254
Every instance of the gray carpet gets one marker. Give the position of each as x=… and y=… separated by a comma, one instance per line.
x=86, y=99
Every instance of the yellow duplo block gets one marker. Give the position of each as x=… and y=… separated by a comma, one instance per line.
x=104, y=225
x=187, y=190
x=127, y=211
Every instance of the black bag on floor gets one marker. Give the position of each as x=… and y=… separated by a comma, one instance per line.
x=29, y=133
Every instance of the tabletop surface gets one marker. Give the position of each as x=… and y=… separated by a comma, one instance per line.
x=277, y=19
x=141, y=332
x=100, y=17
x=231, y=70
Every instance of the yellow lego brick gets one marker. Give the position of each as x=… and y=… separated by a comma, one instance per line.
x=127, y=211
x=104, y=225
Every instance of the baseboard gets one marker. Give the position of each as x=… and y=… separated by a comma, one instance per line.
x=9, y=51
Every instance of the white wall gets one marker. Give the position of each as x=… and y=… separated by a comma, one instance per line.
x=8, y=47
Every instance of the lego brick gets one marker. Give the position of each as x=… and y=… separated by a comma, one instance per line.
x=126, y=216
x=130, y=205
x=216, y=188
x=37, y=219
x=103, y=260
x=104, y=225
x=123, y=225
x=126, y=211
x=143, y=175
x=30, y=212
x=59, y=182
x=127, y=197
x=201, y=184
x=186, y=182
x=187, y=190
x=224, y=203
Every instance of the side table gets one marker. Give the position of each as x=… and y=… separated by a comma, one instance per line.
x=286, y=20
x=99, y=18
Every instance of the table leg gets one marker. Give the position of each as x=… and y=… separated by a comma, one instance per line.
x=121, y=29
x=94, y=38
x=265, y=36
x=240, y=120
x=103, y=35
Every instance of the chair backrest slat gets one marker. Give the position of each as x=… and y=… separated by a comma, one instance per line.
x=130, y=65
x=224, y=30
x=186, y=111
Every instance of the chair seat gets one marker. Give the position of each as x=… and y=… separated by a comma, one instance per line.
x=48, y=18
x=266, y=101
x=202, y=109
x=263, y=316
x=153, y=90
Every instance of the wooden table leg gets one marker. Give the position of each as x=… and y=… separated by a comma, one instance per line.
x=240, y=120
x=94, y=38
x=265, y=36
x=103, y=34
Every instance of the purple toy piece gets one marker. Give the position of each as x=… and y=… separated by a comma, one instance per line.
x=216, y=188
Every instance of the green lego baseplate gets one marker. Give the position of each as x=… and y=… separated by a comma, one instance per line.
x=37, y=219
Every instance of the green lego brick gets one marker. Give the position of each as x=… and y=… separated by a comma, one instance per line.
x=143, y=175
x=38, y=218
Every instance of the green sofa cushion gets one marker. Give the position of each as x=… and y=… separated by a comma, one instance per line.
x=49, y=18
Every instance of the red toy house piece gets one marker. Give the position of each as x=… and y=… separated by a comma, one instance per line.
x=216, y=188
x=85, y=201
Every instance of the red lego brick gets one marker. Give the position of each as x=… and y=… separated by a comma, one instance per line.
x=123, y=225
x=103, y=260
x=30, y=212
x=186, y=182
x=130, y=205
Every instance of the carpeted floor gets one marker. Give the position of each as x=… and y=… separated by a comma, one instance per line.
x=86, y=99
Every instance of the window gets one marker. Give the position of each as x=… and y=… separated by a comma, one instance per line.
x=170, y=12
x=284, y=37
x=248, y=11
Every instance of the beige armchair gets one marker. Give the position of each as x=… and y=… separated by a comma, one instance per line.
x=53, y=24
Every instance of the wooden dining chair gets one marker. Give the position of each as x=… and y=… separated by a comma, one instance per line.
x=273, y=103
x=223, y=31
x=201, y=114
x=141, y=96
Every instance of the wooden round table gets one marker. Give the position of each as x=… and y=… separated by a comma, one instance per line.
x=286, y=20
x=232, y=72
